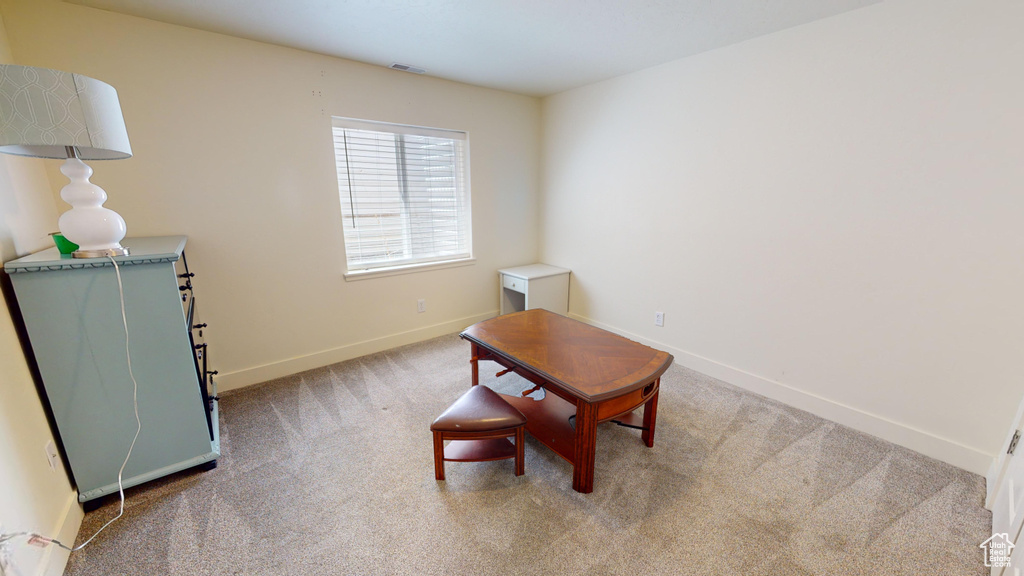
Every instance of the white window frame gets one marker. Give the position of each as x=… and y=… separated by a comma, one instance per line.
x=406, y=201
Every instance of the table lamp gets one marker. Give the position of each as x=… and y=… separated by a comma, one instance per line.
x=53, y=114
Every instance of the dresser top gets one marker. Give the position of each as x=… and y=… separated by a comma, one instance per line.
x=144, y=250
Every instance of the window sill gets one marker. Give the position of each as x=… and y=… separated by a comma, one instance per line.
x=408, y=269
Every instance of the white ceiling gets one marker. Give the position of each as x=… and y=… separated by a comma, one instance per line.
x=534, y=47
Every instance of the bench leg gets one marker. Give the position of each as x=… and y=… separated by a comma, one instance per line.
x=439, y=455
x=520, y=451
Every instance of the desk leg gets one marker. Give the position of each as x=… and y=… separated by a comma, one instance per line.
x=585, y=449
x=651, y=417
x=475, y=350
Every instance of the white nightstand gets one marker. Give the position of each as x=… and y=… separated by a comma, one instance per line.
x=534, y=286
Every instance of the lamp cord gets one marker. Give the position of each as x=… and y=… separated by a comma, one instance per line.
x=138, y=422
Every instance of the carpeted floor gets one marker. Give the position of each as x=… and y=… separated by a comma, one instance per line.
x=330, y=472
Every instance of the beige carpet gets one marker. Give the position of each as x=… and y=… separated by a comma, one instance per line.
x=330, y=472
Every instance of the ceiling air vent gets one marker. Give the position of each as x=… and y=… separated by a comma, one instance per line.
x=406, y=68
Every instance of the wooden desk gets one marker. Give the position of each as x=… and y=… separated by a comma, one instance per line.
x=589, y=376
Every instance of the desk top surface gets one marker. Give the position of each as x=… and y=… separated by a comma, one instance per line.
x=534, y=271
x=586, y=361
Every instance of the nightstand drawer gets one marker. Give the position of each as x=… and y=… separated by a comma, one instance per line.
x=514, y=284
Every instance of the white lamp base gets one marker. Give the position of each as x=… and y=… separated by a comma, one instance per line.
x=97, y=230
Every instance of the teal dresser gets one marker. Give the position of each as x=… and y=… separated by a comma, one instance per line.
x=72, y=311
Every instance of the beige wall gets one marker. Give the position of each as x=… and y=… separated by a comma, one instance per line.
x=232, y=143
x=32, y=497
x=829, y=215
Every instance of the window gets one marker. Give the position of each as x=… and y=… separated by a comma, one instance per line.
x=404, y=194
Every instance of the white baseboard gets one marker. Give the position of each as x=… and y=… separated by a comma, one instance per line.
x=258, y=374
x=55, y=559
x=920, y=441
x=992, y=479
x=926, y=443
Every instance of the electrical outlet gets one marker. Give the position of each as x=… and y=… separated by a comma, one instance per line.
x=52, y=456
x=659, y=318
x=421, y=305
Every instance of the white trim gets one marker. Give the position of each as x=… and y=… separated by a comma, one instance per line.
x=406, y=269
x=55, y=558
x=258, y=374
x=926, y=443
x=931, y=445
x=997, y=470
x=993, y=477
x=378, y=126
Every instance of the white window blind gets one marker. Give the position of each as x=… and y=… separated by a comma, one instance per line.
x=404, y=194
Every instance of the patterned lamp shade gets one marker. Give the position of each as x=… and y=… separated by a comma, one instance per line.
x=44, y=111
